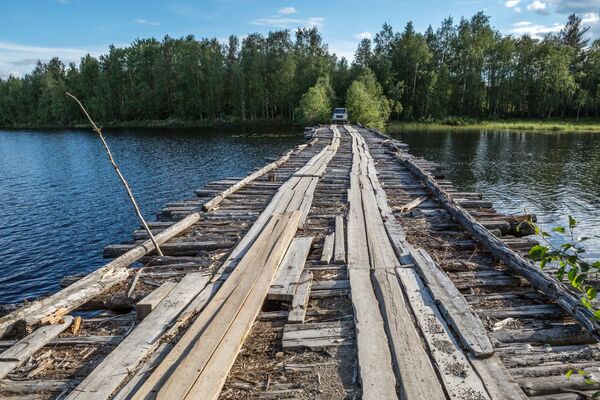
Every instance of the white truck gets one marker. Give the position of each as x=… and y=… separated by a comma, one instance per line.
x=340, y=115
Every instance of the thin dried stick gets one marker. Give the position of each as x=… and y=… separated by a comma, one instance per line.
x=121, y=177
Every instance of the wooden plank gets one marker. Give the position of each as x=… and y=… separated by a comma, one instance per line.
x=20, y=352
x=116, y=367
x=453, y=305
x=407, y=351
x=327, y=249
x=206, y=366
x=163, y=371
x=172, y=381
x=149, y=303
x=497, y=380
x=317, y=335
x=143, y=372
x=300, y=300
x=412, y=204
x=339, y=256
x=458, y=376
x=374, y=358
x=555, y=384
x=288, y=275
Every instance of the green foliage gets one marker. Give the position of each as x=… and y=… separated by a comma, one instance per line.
x=465, y=69
x=315, y=104
x=366, y=103
x=568, y=257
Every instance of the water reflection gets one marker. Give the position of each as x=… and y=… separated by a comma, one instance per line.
x=550, y=174
x=60, y=201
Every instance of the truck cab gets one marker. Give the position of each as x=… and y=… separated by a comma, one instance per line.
x=339, y=115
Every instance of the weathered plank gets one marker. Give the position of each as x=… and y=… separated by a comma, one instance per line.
x=407, y=352
x=453, y=305
x=116, y=367
x=339, y=256
x=149, y=303
x=288, y=275
x=327, y=253
x=203, y=372
x=300, y=300
x=497, y=380
x=317, y=335
x=459, y=378
x=19, y=352
x=374, y=356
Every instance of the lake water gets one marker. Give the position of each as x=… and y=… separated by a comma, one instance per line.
x=552, y=175
x=61, y=201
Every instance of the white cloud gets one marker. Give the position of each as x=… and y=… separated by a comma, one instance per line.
x=286, y=22
x=287, y=10
x=536, y=31
x=538, y=6
x=513, y=4
x=64, y=1
x=18, y=59
x=364, y=35
x=142, y=21
x=590, y=18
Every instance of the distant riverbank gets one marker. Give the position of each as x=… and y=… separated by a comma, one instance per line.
x=458, y=124
x=167, y=123
x=448, y=124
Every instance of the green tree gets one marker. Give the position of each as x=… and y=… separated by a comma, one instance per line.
x=315, y=104
x=366, y=103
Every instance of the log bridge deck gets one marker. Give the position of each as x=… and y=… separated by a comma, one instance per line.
x=345, y=269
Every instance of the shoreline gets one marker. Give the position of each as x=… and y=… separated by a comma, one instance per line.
x=453, y=125
x=585, y=125
x=163, y=124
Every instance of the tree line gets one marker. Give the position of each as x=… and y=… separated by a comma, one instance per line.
x=464, y=69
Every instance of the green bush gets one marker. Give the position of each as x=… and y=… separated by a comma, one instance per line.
x=315, y=104
x=366, y=103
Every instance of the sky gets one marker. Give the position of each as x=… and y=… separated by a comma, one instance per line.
x=68, y=29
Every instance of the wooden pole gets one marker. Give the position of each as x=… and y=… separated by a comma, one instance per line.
x=121, y=177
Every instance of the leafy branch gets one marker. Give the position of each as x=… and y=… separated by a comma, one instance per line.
x=569, y=258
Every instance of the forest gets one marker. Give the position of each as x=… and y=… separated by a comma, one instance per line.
x=464, y=69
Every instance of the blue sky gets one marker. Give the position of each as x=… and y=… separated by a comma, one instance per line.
x=41, y=29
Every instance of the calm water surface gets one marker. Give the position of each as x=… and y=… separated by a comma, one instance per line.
x=61, y=202
x=549, y=174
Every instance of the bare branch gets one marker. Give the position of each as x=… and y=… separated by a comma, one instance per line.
x=121, y=177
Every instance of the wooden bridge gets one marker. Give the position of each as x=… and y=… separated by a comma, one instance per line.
x=345, y=269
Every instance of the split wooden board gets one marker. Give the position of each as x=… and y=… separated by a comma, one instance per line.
x=288, y=275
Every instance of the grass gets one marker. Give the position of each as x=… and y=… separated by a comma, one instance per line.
x=458, y=124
